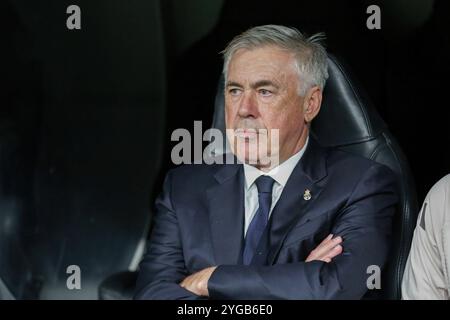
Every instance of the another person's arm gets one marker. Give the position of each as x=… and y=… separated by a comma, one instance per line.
x=427, y=270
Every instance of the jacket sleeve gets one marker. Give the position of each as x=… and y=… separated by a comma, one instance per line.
x=162, y=267
x=365, y=224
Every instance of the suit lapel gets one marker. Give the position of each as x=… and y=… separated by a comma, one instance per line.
x=226, y=214
x=292, y=206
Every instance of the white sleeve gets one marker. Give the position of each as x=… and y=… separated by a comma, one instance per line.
x=426, y=273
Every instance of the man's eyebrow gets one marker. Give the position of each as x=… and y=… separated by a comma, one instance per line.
x=264, y=83
x=257, y=84
x=233, y=84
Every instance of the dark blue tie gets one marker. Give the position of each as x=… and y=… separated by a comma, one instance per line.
x=259, y=221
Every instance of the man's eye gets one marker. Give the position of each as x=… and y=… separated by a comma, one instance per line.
x=265, y=93
x=235, y=92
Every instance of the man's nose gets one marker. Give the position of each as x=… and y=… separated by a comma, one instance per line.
x=248, y=106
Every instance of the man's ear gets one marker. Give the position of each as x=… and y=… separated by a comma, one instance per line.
x=312, y=103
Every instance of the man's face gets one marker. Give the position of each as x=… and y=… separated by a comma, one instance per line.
x=261, y=92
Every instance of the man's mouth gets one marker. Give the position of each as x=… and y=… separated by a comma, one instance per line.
x=246, y=133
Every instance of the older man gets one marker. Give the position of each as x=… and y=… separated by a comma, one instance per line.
x=306, y=224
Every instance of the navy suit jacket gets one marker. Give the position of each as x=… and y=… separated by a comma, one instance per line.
x=199, y=222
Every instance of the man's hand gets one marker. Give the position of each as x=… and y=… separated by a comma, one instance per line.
x=326, y=250
x=329, y=248
x=197, y=283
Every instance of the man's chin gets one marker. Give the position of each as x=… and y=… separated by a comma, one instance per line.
x=261, y=162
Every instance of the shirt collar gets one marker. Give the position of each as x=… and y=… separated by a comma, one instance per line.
x=280, y=173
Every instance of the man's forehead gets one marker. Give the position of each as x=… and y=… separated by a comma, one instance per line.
x=268, y=55
x=266, y=62
x=258, y=78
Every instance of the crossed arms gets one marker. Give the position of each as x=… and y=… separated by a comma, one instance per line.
x=336, y=269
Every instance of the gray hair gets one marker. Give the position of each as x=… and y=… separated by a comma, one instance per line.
x=310, y=55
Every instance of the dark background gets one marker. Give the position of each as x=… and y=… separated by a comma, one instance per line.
x=86, y=115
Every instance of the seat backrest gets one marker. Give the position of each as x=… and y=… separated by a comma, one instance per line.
x=349, y=121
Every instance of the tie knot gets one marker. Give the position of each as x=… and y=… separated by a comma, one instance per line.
x=264, y=184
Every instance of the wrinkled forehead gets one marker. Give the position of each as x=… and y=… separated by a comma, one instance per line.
x=268, y=62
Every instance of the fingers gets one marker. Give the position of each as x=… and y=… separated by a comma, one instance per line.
x=197, y=283
x=316, y=252
x=328, y=249
x=325, y=241
x=325, y=249
x=186, y=282
x=190, y=284
x=337, y=250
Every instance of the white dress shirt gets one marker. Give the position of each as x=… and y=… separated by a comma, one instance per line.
x=280, y=174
